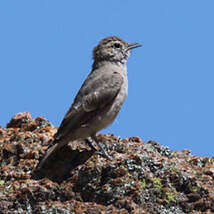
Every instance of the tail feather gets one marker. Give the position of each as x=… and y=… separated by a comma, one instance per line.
x=50, y=151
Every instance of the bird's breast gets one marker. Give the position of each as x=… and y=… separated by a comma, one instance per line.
x=121, y=96
x=106, y=117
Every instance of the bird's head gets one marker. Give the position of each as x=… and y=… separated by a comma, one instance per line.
x=113, y=49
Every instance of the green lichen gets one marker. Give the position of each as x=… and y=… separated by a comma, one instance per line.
x=193, y=188
x=170, y=197
x=211, y=161
x=143, y=184
x=172, y=167
x=2, y=182
x=157, y=183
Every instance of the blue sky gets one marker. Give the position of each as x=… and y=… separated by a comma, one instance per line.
x=46, y=53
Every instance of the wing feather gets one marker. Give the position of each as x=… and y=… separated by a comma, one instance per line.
x=96, y=93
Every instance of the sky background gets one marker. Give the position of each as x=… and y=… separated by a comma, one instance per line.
x=46, y=53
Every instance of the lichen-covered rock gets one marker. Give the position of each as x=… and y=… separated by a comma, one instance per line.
x=144, y=177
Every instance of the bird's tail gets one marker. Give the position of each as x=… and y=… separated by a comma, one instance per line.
x=50, y=151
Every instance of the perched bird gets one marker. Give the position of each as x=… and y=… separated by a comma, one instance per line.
x=100, y=98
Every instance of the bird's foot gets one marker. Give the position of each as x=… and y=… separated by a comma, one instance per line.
x=103, y=151
x=104, y=155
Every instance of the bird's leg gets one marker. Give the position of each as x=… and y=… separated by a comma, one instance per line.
x=103, y=152
x=88, y=141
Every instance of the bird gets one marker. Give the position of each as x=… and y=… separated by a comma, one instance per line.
x=100, y=97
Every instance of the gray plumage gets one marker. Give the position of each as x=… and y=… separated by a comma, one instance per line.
x=101, y=96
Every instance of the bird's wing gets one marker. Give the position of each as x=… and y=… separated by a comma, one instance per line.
x=96, y=93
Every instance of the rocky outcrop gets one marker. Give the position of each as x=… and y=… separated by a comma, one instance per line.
x=144, y=177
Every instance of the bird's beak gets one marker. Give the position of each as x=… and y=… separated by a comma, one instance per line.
x=133, y=45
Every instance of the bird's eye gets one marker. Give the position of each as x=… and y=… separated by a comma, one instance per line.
x=117, y=45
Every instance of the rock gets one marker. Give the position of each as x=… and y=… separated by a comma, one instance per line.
x=144, y=177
